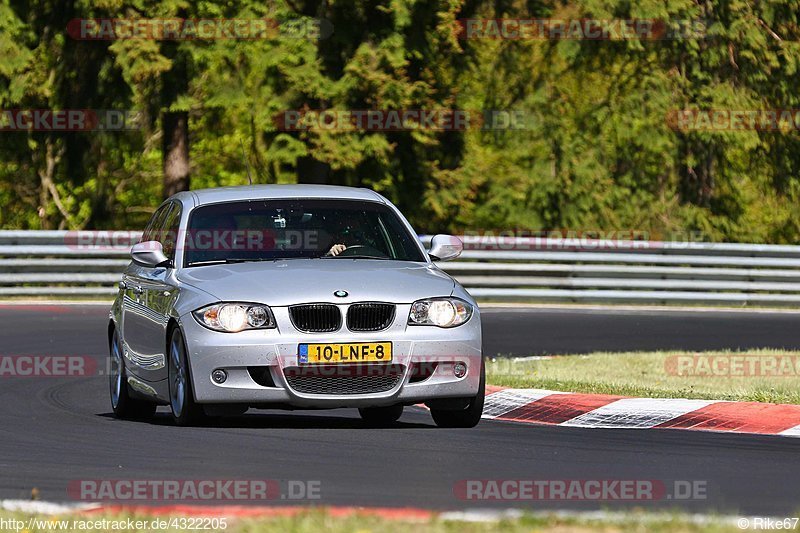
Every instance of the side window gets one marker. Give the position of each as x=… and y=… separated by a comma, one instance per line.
x=155, y=224
x=169, y=230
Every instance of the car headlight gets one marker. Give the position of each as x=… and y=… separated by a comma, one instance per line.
x=442, y=312
x=233, y=317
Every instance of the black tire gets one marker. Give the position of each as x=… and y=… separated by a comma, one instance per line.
x=185, y=411
x=468, y=417
x=124, y=406
x=381, y=416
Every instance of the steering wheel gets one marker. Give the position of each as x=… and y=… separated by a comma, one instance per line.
x=361, y=249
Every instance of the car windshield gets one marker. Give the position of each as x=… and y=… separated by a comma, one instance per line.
x=264, y=230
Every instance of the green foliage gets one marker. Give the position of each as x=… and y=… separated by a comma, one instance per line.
x=596, y=151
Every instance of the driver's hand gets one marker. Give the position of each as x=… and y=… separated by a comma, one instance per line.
x=336, y=249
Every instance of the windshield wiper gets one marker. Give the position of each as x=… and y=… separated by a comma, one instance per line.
x=355, y=257
x=228, y=260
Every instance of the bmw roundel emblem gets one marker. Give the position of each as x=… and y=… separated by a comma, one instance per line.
x=340, y=294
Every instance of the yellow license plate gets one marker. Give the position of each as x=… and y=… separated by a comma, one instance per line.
x=361, y=352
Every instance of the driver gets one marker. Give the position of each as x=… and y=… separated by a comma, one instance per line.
x=345, y=234
x=336, y=249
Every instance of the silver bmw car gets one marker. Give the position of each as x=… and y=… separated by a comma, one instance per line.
x=292, y=297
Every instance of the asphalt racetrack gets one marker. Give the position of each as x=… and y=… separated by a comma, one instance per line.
x=57, y=430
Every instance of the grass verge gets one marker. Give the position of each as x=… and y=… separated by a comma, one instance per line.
x=756, y=375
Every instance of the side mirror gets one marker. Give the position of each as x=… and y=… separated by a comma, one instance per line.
x=149, y=254
x=445, y=247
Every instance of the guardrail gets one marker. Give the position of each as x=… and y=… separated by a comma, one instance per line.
x=59, y=263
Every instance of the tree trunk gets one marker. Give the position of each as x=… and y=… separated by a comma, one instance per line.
x=311, y=170
x=176, y=152
x=175, y=123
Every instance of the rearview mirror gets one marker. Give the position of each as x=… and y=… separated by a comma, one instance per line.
x=149, y=254
x=445, y=247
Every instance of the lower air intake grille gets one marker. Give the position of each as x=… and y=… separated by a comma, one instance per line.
x=261, y=375
x=316, y=318
x=370, y=316
x=344, y=379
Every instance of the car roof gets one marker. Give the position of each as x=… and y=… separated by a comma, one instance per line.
x=256, y=192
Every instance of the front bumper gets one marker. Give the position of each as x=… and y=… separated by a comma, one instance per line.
x=277, y=349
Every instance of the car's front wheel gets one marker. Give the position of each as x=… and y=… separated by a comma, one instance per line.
x=464, y=418
x=381, y=416
x=122, y=403
x=185, y=412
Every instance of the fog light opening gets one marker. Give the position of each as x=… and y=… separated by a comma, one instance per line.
x=459, y=370
x=219, y=376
